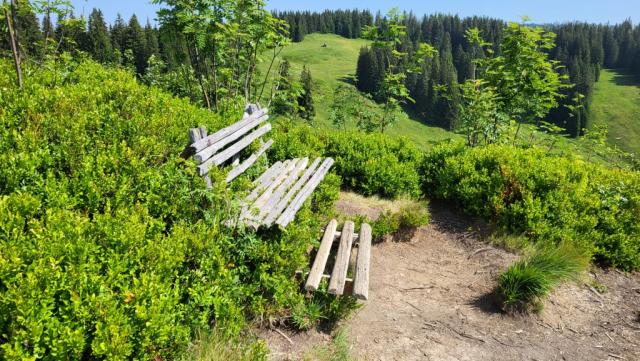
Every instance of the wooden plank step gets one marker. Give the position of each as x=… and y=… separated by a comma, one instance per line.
x=282, y=204
x=317, y=270
x=341, y=266
x=361, y=277
x=241, y=168
x=289, y=214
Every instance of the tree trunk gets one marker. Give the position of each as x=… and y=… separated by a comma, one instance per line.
x=13, y=39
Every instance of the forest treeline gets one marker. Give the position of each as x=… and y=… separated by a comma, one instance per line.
x=583, y=49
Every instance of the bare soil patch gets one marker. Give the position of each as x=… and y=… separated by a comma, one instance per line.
x=430, y=299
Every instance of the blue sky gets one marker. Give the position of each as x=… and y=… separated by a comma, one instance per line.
x=541, y=11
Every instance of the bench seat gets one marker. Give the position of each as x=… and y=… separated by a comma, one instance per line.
x=281, y=191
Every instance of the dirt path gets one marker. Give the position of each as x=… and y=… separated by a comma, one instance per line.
x=430, y=300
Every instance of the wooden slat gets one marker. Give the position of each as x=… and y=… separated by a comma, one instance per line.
x=203, y=143
x=317, y=270
x=282, y=204
x=281, y=177
x=361, y=278
x=264, y=176
x=259, y=189
x=233, y=150
x=209, y=151
x=341, y=266
x=196, y=134
x=289, y=214
x=241, y=168
x=278, y=193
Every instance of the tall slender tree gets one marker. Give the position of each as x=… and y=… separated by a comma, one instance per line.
x=99, y=42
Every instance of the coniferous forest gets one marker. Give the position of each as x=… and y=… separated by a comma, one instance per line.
x=582, y=49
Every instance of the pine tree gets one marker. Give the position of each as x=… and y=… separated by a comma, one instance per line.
x=151, y=41
x=284, y=98
x=305, y=100
x=99, y=42
x=136, y=42
x=71, y=33
x=27, y=29
x=119, y=34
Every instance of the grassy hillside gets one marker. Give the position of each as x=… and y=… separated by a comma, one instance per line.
x=616, y=102
x=335, y=63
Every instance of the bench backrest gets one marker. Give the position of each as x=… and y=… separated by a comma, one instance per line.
x=227, y=143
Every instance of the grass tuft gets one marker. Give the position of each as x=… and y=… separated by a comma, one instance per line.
x=213, y=346
x=525, y=284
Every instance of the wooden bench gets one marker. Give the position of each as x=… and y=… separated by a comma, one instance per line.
x=339, y=283
x=281, y=191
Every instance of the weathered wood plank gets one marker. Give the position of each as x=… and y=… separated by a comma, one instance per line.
x=341, y=266
x=264, y=176
x=268, y=191
x=277, y=194
x=264, y=184
x=338, y=234
x=289, y=214
x=203, y=143
x=284, y=202
x=233, y=150
x=196, y=134
x=317, y=270
x=241, y=168
x=361, y=278
x=209, y=151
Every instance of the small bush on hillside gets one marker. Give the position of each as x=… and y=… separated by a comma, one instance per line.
x=525, y=284
x=367, y=163
x=543, y=198
x=407, y=218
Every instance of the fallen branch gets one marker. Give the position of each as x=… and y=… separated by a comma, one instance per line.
x=504, y=343
x=480, y=251
x=283, y=335
x=617, y=356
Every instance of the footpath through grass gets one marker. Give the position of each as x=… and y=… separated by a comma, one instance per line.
x=616, y=102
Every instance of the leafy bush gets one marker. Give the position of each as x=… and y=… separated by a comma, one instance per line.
x=526, y=283
x=406, y=218
x=544, y=198
x=110, y=245
x=367, y=163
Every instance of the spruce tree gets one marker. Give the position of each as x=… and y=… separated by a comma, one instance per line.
x=305, y=100
x=151, y=41
x=99, y=42
x=27, y=29
x=137, y=43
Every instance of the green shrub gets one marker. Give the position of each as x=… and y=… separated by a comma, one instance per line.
x=110, y=245
x=542, y=197
x=525, y=284
x=367, y=163
x=406, y=218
